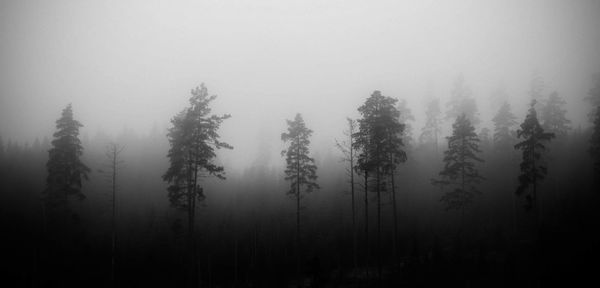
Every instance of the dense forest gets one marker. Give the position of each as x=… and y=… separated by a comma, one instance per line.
x=452, y=203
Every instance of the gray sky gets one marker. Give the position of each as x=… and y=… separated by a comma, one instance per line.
x=133, y=63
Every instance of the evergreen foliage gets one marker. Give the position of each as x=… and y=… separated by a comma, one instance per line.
x=193, y=138
x=65, y=168
x=462, y=102
x=504, y=120
x=460, y=173
x=533, y=169
x=553, y=116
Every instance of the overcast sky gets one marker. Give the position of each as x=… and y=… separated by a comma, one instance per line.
x=133, y=63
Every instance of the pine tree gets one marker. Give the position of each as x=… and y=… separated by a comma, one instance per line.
x=65, y=169
x=193, y=139
x=462, y=102
x=553, y=116
x=504, y=120
x=406, y=117
x=379, y=140
x=300, y=170
x=433, y=124
x=533, y=169
x=460, y=173
x=536, y=87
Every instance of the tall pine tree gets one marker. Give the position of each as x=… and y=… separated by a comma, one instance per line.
x=193, y=139
x=433, y=124
x=504, y=136
x=462, y=102
x=300, y=169
x=65, y=168
x=380, y=141
x=553, y=116
x=460, y=173
x=533, y=170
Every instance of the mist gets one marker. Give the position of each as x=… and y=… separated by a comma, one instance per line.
x=127, y=69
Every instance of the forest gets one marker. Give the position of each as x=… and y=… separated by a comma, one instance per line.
x=391, y=206
x=288, y=143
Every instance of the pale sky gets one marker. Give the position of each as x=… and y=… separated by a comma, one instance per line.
x=133, y=63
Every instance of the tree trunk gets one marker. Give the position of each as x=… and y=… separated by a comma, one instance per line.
x=394, y=208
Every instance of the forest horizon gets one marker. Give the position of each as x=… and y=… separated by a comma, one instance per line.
x=299, y=143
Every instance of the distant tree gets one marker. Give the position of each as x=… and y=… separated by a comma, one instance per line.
x=533, y=169
x=462, y=102
x=536, y=87
x=595, y=142
x=406, y=117
x=553, y=116
x=504, y=120
x=433, y=124
x=485, y=139
x=300, y=169
x=460, y=173
x=380, y=142
x=65, y=169
x=193, y=139
x=348, y=149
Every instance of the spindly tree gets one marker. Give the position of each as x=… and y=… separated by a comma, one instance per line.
x=553, y=116
x=379, y=139
x=65, y=169
x=462, y=102
x=433, y=123
x=460, y=173
x=300, y=169
x=533, y=170
x=348, y=149
x=504, y=120
x=193, y=138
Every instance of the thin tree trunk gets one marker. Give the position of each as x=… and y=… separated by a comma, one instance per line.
x=378, y=224
x=367, y=221
x=394, y=207
x=114, y=222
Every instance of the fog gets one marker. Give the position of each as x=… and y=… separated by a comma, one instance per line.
x=131, y=64
x=127, y=68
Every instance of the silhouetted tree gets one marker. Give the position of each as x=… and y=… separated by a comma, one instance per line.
x=348, y=149
x=504, y=120
x=553, y=116
x=533, y=169
x=380, y=142
x=300, y=169
x=460, y=173
x=433, y=124
x=113, y=152
x=65, y=169
x=193, y=139
x=462, y=102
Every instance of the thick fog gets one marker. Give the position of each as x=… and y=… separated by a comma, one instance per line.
x=520, y=216
x=131, y=64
